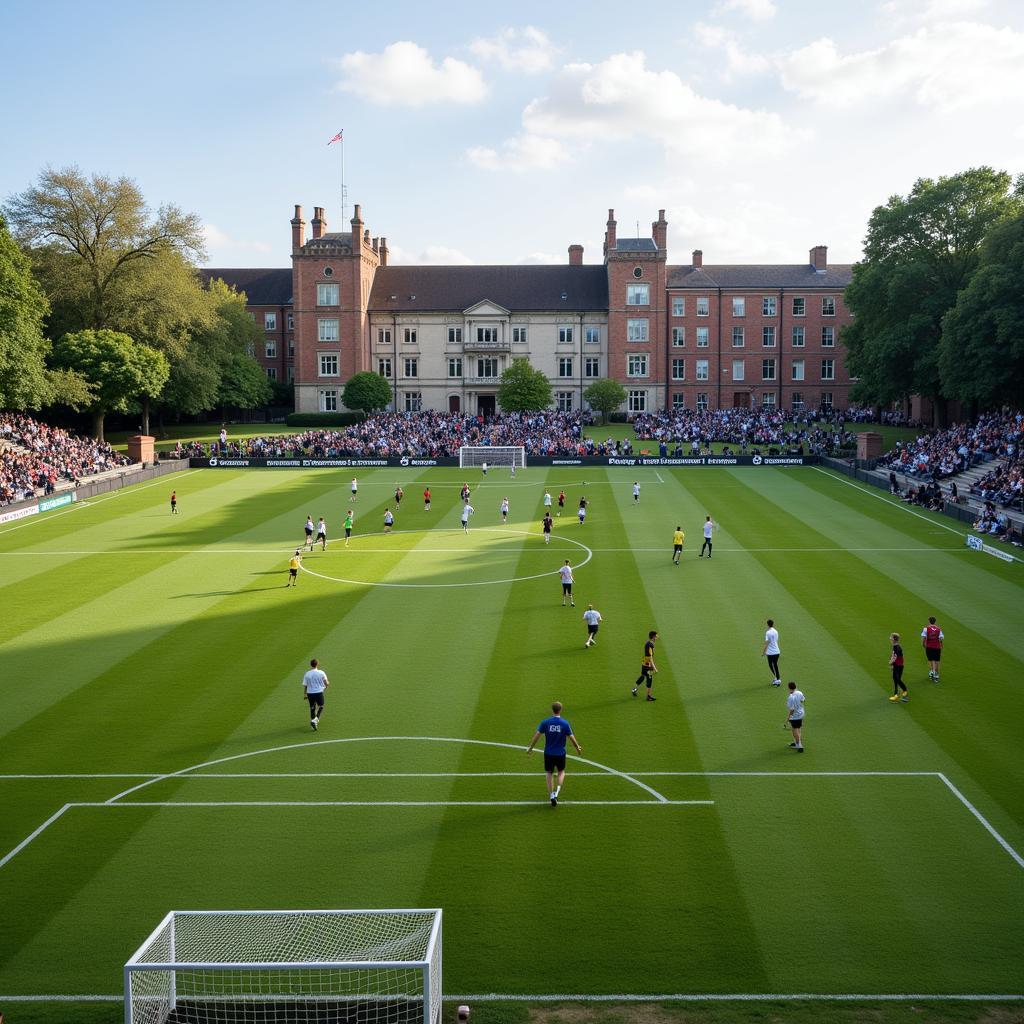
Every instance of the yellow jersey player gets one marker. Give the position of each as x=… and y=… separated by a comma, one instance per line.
x=677, y=545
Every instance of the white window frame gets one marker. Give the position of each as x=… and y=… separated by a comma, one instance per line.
x=702, y=401
x=798, y=370
x=485, y=363
x=702, y=371
x=768, y=400
x=678, y=337
x=739, y=337
x=454, y=367
x=679, y=369
x=271, y=373
x=769, y=305
x=384, y=366
x=290, y=321
x=270, y=349
x=270, y=321
x=799, y=306
x=409, y=335
x=519, y=335
x=327, y=399
x=769, y=369
x=799, y=332
x=327, y=359
x=638, y=294
x=564, y=335
x=741, y=366
x=638, y=330
x=636, y=400
x=413, y=401
x=678, y=305
x=565, y=367
x=563, y=401
x=383, y=335
x=828, y=336
x=592, y=363
x=828, y=305
x=637, y=364
x=768, y=336
x=454, y=335
x=827, y=399
x=739, y=305
x=592, y=335
x=411, y=367
x=831, y=365
x=796, y=402
x=328, y=330
x=703, y=337
x=703, y=305
x=487, y=335
x=678, y=401
x=328, y=293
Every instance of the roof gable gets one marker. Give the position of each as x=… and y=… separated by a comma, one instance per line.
x=486, y=308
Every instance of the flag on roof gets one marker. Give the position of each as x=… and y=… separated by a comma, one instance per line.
x=337, y=138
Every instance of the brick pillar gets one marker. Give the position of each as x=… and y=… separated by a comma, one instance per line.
x=140, y=448
x=869, y=445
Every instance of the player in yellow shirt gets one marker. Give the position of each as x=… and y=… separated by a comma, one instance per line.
x=293, y=568
x=677, y=545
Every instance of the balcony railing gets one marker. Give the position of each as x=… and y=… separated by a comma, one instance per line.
x=492, y=381
x=473, y=345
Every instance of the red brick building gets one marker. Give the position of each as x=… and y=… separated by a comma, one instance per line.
x=693, y=335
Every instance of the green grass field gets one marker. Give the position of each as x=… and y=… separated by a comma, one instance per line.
x=156, y=752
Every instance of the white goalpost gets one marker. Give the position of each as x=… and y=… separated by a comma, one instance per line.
x=288, y=967
x=478, y=455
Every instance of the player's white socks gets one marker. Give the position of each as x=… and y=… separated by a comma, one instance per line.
x=556, y=791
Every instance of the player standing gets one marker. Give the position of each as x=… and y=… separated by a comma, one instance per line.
x=708, y=529
x=566, y=574
x=795, y=716
x=547, y=500
x=555, y=730
x=636, y=492
x=389, y=520
x=899, y=690
x=464, y=494
x=772, y=652
x=309, y=532
x=582, y=511
x=399, y=495
x=484, y=468
x=561, y=501
x=677, y=545
x=355, y=488
x=321, y=533
x=349, y=519
x=546, y=523
x=592, y=617
x=293, y=568
x=931, y=639
x=426, y=499
x=504, y=510
x=647, y=666
x=314, y=683
x=174, y=503
x=467, y=511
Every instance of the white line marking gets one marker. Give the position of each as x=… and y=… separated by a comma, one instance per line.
x=398, y=803
x=28, y=839
x=658, y=475
x=984, y=821
x=83, y=775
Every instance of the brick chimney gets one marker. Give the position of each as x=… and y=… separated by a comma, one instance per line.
x=383, y=251
x=319, y=222
x=575, y=255
x=698, y=259
x=298, y=229
x=819, y=258
x=659, y=231
x=609, y=233
x=357, y=227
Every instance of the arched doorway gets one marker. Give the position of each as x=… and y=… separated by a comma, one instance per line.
x=454, y=403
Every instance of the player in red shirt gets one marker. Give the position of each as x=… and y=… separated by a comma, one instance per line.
x=931, y=639
x=899, y=691
x=561, y=501
x=426, y=500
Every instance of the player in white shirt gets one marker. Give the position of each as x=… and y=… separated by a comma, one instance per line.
x=592, y=617
x=709, y=527
x=772, y=652
x=314, y=683
x=566, y=573
x=636, y=491
x=467, y=511
x=321, y=534
x=795, y=716
x=355, y=488
x=547, y=499
x=504, y=510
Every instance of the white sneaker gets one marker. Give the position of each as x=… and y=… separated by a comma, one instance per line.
x=315, y=723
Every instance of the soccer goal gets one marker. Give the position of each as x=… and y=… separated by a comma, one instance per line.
x=477, y=455
x=288, y=966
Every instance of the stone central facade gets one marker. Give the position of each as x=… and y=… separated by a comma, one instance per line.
x=694, y=335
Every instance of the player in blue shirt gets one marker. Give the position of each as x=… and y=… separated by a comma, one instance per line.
x=556, y=731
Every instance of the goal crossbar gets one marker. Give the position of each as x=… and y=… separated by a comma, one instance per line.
x=492, y=455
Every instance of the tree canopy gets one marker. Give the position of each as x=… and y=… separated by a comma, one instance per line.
x=366, y=392
x=523, y=388
x=605, y=396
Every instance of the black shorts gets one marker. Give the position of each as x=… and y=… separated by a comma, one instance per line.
x=646, y=671
x=554, y=762
x=566, y=588
x=309, y=533
x=592, y=630
x=795, y=723
x=676, y=548
x=348, y=531
x=933, y=653
x=316, y=701
x=293, y=572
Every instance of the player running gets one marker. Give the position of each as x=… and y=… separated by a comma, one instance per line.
x=464, y=494
x=567, y=581
x=592, y=617
x=647, y=666
x=504, y=510
x=899, y=690
x=555, y=730
x=389, y=520
x=771, y=651
x=582, y=511
x=309, y=532
x=355, y=488
x=547, y=501
x=293, y=568
x=546, y=523
x=931, y=640
x=709, y=527
x=636, y=492
x=399, y=495
x=426, y=499
x=174, y=503
x=677, y=545
x=561, y=501
x=467, y=511
x=349, y=520
x=321, y=534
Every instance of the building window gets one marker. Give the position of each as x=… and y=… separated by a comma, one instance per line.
x=454, y=335
x=797, y=401
x=768, y=305
x=828, y=337
x=412, y=368
x=564, y=399
x=702, y=369
x=455, y=366
x=487, y=335
x=678, y=336
x=737, y=337
x=636, y=366
x=767, y=369
x=768, y=400
x=739, y=306
x=592, y=335
x=679, y=369
x=565, y=335
x=636, y=330
x=798, y=337
x=409, y=337
x=678, y=306
x=828, y=369
x=329, y=401
x=678, y=401
x=703, y=305
x=271, y=349
x=638, y=295
x=328, y=364
x=518, y=335
x=798, y=369
x=291, y=347
x=565, y=366
x=384, y=367
x=271, y=373
x=327, y=295
x=702, y=401
x=739, y=369
x=383, y=335
x=828, y=305
x=487, y=367
x=290, y=321
x=413, y=401
x=703, y=333
x=250, y=349
x=592, y=366
x=289, y=373
x=327, y=330
x=799, y=305
x=637, y=401
x=826, y=400
x=270, y=321
x=768, y=337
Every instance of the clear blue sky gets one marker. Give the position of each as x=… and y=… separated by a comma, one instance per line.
x=762, y=126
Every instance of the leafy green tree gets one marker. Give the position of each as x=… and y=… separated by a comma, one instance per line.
x=243, y=383
x=119, y=369
x=919, y=252
x=605, y=396
x=524, y=388
x=367, y=392
x=981, y=355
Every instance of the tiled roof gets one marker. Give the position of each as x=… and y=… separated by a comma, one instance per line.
x=757, y=275
x=330, y=240
x=575, y=289
x=635, y=245
x=262, y=287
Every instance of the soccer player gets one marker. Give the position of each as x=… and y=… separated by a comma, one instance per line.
x=899, y=690
x=636, y=491
x=931, y=640
x=309, y=532
x=321, y=534
x=399, y=495
x=504, y=510
x=561, y=501
x=314, y=683
x=555, y=730
x=566, y=574
x=389, y=520
x=795, y=716
x=592, y=617
x=293, y=568
x=708, y=529
x=647, y=666
x=174, y=503
x=355, y=488
x=546, y=523
x=426, y=499
x=677, y=545
x=484, y=468
x=349, y=519
x=464, y=494
x=772, y=652
x=582, y=511
x=547, y=500
x=467, y=511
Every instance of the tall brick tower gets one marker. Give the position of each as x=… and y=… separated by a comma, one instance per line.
x=637, y=314
x=332, y=274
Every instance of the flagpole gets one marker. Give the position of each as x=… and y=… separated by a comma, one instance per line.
x=344, y=196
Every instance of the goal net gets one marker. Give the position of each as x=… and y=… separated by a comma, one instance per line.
x=288, y=967
x=477, y=455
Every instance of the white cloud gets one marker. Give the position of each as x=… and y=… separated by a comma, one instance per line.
x=543, y=259
x=431, y=255
x=903, y=12
x=520, y=153
x=218, y=240
x=620, y=99
x=404, y=74
x=528, y=50
x=950, y=66
x=738, y=60
x=756, y=10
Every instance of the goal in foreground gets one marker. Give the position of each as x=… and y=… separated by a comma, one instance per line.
x=288, y=967
x=477, y=455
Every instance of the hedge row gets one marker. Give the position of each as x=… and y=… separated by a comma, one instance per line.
x=323, y=419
